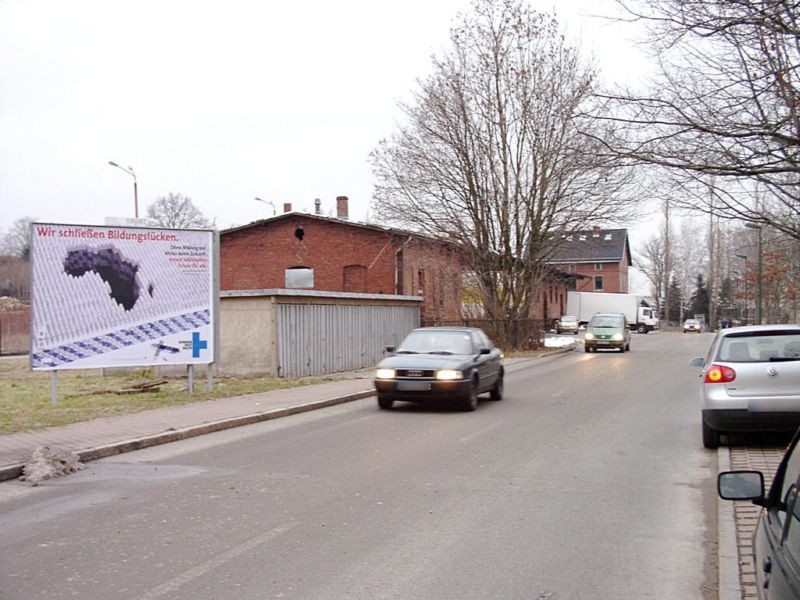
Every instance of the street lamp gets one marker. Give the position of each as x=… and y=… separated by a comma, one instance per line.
x=130, y=172
x=266, y=202
x=746, y=299
x=760, y=266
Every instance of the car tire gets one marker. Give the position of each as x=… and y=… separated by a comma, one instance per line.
x=587, y=348
x=385, y=402
x=710, y=437
x=470, y=402
x=496, y=393
x=642, y=328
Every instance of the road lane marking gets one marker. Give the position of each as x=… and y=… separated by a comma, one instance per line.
x=176, y=582
x=480, y=432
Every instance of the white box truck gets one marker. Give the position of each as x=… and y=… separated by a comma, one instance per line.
x=641, y=316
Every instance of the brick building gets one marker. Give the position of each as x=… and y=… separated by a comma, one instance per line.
x=601, y=256
x=310, y=251
x=314, y=252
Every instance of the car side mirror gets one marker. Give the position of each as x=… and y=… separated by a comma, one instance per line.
x=391, y=349
x=741, y=485
x=698, y=362
x=485, y=350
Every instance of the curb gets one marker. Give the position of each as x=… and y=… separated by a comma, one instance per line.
x=729, y=587
x=15, y=470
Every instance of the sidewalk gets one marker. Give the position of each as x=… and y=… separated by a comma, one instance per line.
x=99, y=438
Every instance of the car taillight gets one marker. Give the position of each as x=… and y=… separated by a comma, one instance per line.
x=720, y=374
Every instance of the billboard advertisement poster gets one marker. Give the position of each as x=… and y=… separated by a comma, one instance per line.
x=120, y=297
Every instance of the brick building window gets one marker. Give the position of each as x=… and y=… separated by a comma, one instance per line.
x=398, y=272
x=598, y=283
x=598, y=266
x=355, y=278
x=299, y=278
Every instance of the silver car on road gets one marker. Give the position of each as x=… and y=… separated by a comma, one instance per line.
x=751, y=381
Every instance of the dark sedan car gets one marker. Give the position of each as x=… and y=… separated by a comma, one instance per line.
x=441, y=363
x=776, y=540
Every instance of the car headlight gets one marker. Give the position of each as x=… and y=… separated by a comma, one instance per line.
x=384, y=374
x=618, y=337
x=589, y=336
x=448, y=374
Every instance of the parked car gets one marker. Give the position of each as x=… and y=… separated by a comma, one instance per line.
x=567, y=324
x=776, y=539
x=692, y=325
x=607, y=331
x=453, y=364
x=751, y=381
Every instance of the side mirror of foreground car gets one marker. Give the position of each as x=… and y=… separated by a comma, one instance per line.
x=741, y=485
x=390, y=349
x=698, y=362
x=485, y=351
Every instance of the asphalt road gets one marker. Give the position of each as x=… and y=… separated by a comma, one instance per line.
x=588, y=481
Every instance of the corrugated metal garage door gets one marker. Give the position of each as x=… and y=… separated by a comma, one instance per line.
x=314, y=339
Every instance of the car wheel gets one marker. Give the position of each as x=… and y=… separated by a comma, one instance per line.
x=470, y=402
x=385, y=402
x=642, y=328
x=587, y=348
x=710, y=437
x=496, y=392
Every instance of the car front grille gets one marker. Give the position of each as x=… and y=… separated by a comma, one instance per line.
x=416, y=373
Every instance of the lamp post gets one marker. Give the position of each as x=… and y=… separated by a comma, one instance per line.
x=746, y=299
x=257, y=199
x=760, y=267
x=130, y=172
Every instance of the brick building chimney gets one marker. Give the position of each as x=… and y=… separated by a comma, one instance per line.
x=341, y=208
x=287, y=207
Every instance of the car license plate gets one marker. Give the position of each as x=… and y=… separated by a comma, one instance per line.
x=413, y=386
x=602, y=341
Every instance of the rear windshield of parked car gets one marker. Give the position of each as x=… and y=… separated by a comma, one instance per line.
x=760, y=347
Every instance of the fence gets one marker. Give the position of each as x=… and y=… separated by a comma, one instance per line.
x=508, y=334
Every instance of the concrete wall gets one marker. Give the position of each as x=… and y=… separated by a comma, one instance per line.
x=247, y=336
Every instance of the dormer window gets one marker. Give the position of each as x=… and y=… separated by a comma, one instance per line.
x=582, y=237
x=607, y=237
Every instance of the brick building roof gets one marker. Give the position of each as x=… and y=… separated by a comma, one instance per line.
x=593, y=245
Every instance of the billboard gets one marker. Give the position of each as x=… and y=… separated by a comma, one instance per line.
x=120, y=296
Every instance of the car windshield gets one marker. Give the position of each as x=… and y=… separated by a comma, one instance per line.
x=437, y=342
x=606, y=322
x=760, y=347
x=568, y=319
x=691, y=322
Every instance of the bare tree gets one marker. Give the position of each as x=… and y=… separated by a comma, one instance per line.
x=175, y=211
x=653, y=263
x=17, y=240
x=491, y=155
x=724, y=112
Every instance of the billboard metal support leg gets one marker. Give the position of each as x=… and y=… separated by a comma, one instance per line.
x=191, y=378
x=209, y=378
x=53, y=388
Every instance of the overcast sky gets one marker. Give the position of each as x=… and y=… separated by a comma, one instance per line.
x=222, y=101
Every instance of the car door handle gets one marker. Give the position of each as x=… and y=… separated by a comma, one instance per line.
x=767, y=566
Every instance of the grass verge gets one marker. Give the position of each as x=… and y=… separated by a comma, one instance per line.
x=90, y=394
